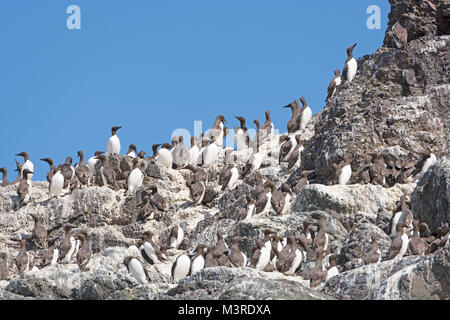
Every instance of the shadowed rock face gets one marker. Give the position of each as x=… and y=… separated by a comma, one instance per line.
x=430, y=199
x=398, y=103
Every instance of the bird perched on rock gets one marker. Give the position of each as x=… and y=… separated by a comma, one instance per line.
x=26, y=165
x=135, y=178
x=39, y=233
x=332, y=270
x=69, y=173
x=180, y=268
x=92, y=162
x=194, y=152
x=293, y=124
x=22, y=259
x=334, y=84
x=216, y=134
x=57, y=183
x=229, y=175
x=374, y=254
x=241, y=137
x=399, y=244
x=137, y=270
x=180, y=154
x=67, y=245
x=197, y=190
x=52, y=168
x=85, y=252
x=24, y=189
x=343, y=170
x=350, y=67
x=321, y=238
x=176, y=237
x=5, y=182
x=318, y=274
x=306, y=114
x=295, y=157
x=132, y=150
x=113, y=145
x=82, y=171
x=4, y=271
x=417, y=246
x=165, y=156
x=237, y=258
x=51, y=254
x=150, y=250
x=198, y=260
x=107, y=175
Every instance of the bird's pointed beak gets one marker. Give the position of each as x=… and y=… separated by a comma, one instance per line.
x=355, y=45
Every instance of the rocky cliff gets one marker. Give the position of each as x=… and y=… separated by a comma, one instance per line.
x=398, y=102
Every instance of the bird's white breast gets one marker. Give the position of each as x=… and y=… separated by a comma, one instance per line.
x=345, y=175
x=352, y=68
x=137, y=270
x=113, y=146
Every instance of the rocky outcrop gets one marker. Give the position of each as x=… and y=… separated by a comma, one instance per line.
x=400, y=97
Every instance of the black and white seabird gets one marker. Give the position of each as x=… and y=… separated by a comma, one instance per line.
x=399, y=244
x=106, y=176
x=19, y=172
x=176, y=237
x=113, y=145
x=216, y=133
x=67, y=245
x=132, y=150
x=221, y=245
x=318, y=274
x=52, y=168
x=277, y=199
x=417, y=246
x=180, y=268
x=136, y=269
x=155, y=151
x=374, y=254
x=165, y=156
x=399, y=33
x=350, y=67
x=39, y=233
x=68, y=172
x=293, y=124
x=135, y=178
x=24, y=188
x=82, y=170
x=241, y=137
x=197, y=190
x=180, y=154
x=5, y=181
x=56, y=183
x=343, y=170
x=295, y=157
x=229, y=175
x=26, y=165
x=306, y=114
x=286, y=148
x=158, y=202
x=267, y=128
x=93, y=161
x=4, y=271
x=22, y=259
x=51, y=254
x=194, y=152
x=198, y=260
x=334, y=84
x=237, y=258
x=321, y=238
x=211, y=258
x=85, y=252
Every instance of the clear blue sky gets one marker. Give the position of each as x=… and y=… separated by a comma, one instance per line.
x=154, y=66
